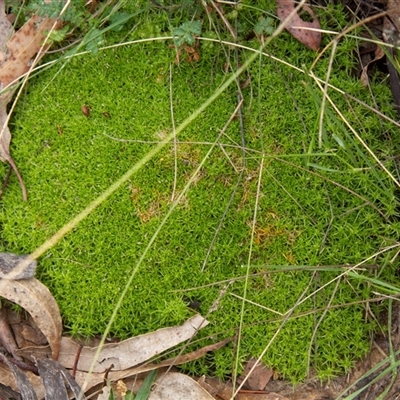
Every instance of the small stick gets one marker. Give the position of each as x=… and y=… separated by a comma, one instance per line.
x=76, y=361
x=20, y=180
x=5, y=183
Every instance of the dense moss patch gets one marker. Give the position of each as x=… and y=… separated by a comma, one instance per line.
x=67, y=159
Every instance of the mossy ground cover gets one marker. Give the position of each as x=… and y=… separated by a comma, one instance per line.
x=67, y=159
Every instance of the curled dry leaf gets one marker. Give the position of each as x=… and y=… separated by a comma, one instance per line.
x=132, y=351
x=37, y=300
x=305, y=32
x=378, y=54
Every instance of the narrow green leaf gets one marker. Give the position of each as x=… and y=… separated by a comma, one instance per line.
x=118, y=20
x=144, y=390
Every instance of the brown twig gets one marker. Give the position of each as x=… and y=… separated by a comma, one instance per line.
x=20, y=180
x=76, y=361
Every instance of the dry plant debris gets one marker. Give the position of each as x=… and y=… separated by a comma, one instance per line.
x=115, y=360
x=305, y=32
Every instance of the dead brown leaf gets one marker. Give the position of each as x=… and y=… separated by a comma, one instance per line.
x=378, y=54
x=224, y=391
x=179, y=387
x=22, y=48
x=24, y=386
x=261, y=396
x=86, y=110
x=96, y=379
x=129, y=352
x=37, y=300
x=57, y=380
x=173, y=385
x=305, y=32
x=6, y=335
x=256, y=377
x=8, y=379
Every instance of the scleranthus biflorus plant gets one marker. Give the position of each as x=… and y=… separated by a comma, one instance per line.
x=271, y=223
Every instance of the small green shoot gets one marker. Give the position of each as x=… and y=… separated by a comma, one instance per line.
x=75, y=12
x=264, y=25
x=57, y=36
x=186, y=33
x=144, y=391
x=94, y=40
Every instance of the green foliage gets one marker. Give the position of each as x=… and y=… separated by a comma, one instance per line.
x=264, y=25
x=186, y=33
x=93, y=40
x=57, y=36
x=74, y=14
x=144, y=390
x=118, y=20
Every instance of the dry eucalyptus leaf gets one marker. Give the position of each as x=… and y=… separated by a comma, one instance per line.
x=56, y=379
x=310, y=38
x=37, y=300
x=105, y=394
x=176, y=386
x=6, y=31
x=7, y=378
x=23, y=383
x=256, y=377
x=132, y=351
x=68, y=346
x=23, y=46
x=6, y=335
x=15, y=266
